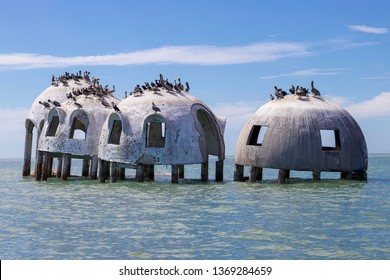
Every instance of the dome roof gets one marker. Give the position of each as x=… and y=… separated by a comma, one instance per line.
x=183, y=131
x=302, y=133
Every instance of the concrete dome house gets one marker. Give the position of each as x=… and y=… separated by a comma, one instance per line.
x=301, y=133
x=163, y=125
x=69, y=116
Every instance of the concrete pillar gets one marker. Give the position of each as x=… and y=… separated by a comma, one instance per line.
x=238, y=172
x=85, y=170
x=65, y=167
x=94, y=168
x=252, y=173
x=122, y=173
x=27, y=153
x=282, y=176
x=140, y=173
x=181, y=171
x=149, y=172
x=59, y=167
x=219, y=170
x=175, y=173
x=113, y=172
x=102, y=168
x=259, y=173
x=50, y=167
x=316, y=175
x=38, y=166
x=45, y=166
x=204, y=171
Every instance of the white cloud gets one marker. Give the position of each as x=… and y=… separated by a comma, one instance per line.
x=197, y=55
x=367, y=29
x=307, y=73
x=377, y=107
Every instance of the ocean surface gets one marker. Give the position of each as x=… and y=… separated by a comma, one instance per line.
x=303, y=219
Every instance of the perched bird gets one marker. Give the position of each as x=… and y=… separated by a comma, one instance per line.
x=292, y=89
x=314, y=91
x=271, y=97
x=125, y=94
x=55, y=103
x=187, y=88
x=278, y=92
x=78, y=105
x=45, y=104
x=155, y=108
x=115, y=107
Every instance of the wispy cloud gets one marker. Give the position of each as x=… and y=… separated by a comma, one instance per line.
x=307, y=73
x=378, y=106
x=196, y=55
x=368, y=29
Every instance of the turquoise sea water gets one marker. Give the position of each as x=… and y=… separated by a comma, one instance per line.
x=83, y=219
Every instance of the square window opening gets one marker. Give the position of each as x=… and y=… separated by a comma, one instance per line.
x=257, y=134
x=155, y=134
x=330, y=140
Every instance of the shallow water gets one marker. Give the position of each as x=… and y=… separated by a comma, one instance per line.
x=83, y=219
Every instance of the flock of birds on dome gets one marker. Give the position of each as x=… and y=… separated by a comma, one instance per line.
x=97, y=90
x=298, y=91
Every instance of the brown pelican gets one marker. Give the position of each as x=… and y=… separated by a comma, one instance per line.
x=271, y=97
x=45, y=104
x=115, y=107
x=55, y=103
x=314, y=90
x=155, y=108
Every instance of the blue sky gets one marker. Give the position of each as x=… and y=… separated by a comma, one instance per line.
x=231, y=52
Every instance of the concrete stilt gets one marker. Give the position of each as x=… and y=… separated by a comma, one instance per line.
x=65, y=167
x=113, y=172
x=45, y=166
x=59, y=167
x=50, y=166
x=175, y=173
x=27, y=153
x=219, y=170
x=94, y=167
x=181, y=171
x=316, y=175
x=122, y=173
x=282, y=176
x=150, y=172
x=204, y=171
x=252, y=173
x=238, y=172
x=85, y=170
x=259, y=173
x=140, y=173
x=102, y=168
x=38, y=166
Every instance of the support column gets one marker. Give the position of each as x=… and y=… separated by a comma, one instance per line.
x=175, y=173
x=238, y=172
x=94, y=168
x=140, y=173
x=181, y=171
x=27, y=153
x=50, y=167
x=252, y=173
x=259, y=173
x=150, y=172
x=102, y=168
x=122, y=173
x=45, y=166
x=204, y=171
x=219, y=170
x=59, y=167
x=85, y=170
x=316, y=175
x=282, y=176
x=65, y=167
x=113, y=172
x=38, y=166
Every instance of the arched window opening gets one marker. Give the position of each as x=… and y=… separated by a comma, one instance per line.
x=78, y=129
x=115, y=132
x=155, y=134
x=54, y=122
x=256, y=136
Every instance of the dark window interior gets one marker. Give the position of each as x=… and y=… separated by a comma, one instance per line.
x=256, y=135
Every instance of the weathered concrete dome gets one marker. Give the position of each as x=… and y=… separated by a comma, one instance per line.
x=185, y=131
x=307, y=133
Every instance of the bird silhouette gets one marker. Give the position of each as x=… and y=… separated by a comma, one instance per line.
x=115, y=107
x=155, y=108
x=55, y=103
x=45, y=104
x=314, y=90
